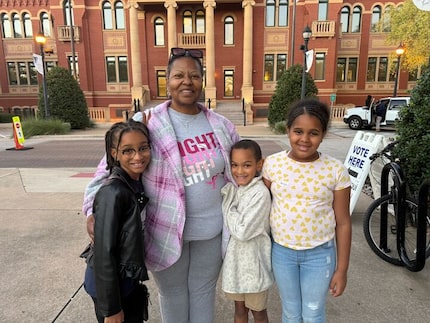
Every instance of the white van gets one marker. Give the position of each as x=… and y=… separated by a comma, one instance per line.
x=365, y=117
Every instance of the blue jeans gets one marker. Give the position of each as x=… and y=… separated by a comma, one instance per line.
x=303, y=278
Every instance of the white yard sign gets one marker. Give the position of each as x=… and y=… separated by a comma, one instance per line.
x=357, y=161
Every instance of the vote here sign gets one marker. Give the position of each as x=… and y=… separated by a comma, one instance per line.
x=357, y=161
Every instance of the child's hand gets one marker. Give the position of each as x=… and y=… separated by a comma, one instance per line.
x=338, y=283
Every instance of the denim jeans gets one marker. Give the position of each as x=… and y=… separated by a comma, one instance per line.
x=303, y=278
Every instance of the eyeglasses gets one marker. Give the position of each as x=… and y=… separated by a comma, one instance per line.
x=131, y=152
x=177, y=52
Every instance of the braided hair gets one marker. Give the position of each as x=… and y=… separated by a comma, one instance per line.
x=113, y=138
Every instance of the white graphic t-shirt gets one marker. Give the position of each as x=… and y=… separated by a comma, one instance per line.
x=302, y=215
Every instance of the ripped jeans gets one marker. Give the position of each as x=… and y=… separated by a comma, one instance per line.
x=303, y=278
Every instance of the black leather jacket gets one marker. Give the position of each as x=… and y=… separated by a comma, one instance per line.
x=118, y=239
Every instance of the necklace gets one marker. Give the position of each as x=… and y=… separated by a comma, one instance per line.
x=184, y=119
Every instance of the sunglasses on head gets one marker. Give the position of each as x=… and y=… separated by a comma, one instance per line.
x=177, y=52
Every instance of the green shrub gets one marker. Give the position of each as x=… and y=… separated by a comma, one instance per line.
x=288, y=90
x=66, y=99
x=5, y=117
x=413, y=133
x=39, y=127
x=280, y=127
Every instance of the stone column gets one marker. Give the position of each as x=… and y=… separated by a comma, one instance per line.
x=137, y=91
x=171, y=6
x=247, y=88
x=210, y=89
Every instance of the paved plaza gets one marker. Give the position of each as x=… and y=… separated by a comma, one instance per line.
x=42, y=232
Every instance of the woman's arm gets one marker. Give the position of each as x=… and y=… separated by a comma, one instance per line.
x=343, y=240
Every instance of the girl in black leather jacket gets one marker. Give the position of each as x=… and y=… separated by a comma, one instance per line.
x=116, y=269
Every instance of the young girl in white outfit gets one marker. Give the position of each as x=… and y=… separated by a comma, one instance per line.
x=247, y=271
x=309, y=219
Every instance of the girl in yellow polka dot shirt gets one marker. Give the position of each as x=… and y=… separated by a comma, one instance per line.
x=309, y=218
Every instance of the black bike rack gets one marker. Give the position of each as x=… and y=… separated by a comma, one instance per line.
x=399, y=194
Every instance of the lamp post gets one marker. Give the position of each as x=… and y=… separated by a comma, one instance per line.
x=307, y=33
x=399, y=51
x=41, y=40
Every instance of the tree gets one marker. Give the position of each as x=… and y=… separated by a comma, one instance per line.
x=410, y=26
x=413, y=133
x=288, y=91
x=66, y=99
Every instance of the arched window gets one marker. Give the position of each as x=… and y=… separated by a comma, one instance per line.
x=356, y=20
x=28, y=30
x=187, y=22
x=68, y=13
x=5, y=23
x=45, y=24
x=386, y=22
x=322, y=10
x=200, y=22
x=159, y=31
x=16, y=22
x=228, y=31
x=270, y=13
x=107, y=16
x=283, y=13
x=119, y=15
x=376, y=17
x=344, y=19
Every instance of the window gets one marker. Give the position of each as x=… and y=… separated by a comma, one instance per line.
x=107, y=16
x=71, y=66
x=376, y=17
x=200, y=22
x=117, y=70
x=228, y=83
x=277, y=13
x=68, y=13
x=383, y=69
x=45, y=24
x=161, y=83
x=268, y=67
x=377, y=69
x=356, y=20
x=270, y=13
x=281, y=65
x=159, y=31
x=283, y=13
x=28, y=30
x=322, y=10
x=346, y=69
x=386, y=23
x=228, y=31
x=17, y=32
x=320, y=66
x=270, y=74
x=119, y=15
x=187, y=22
x=22, y=73
x=344, y=19
x=7, y=31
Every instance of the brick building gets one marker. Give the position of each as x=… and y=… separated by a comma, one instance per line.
x=118, y=50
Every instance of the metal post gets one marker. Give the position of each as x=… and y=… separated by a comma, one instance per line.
x=45, y=88
x=307, y=33
x=396, y=80
x=209, y=103
x=72, y=41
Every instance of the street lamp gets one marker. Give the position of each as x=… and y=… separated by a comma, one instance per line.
x=41, y=40
x=399, y=51
x=307, y=33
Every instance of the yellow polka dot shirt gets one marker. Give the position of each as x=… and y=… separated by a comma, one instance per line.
x=302, y=215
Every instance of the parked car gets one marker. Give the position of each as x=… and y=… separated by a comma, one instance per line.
x=364, y=117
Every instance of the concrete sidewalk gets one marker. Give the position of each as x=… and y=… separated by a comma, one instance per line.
x=42, y=232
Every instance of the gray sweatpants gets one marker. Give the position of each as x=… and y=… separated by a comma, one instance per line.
x=187, y=289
